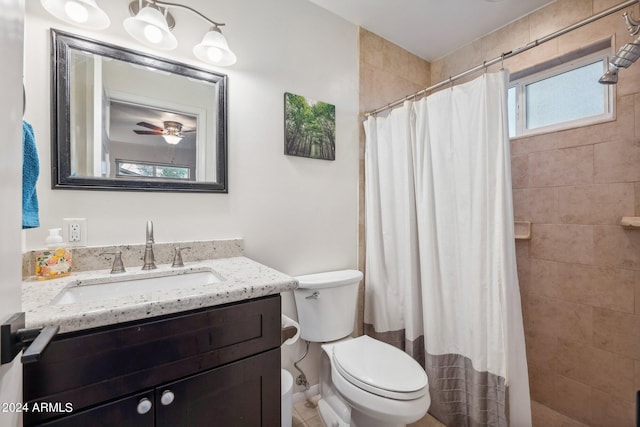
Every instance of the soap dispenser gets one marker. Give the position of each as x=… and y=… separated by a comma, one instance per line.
x=55, y=261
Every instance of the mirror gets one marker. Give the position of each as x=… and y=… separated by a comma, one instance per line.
x=124, y=120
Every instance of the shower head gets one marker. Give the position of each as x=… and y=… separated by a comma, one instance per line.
x=624, y=57
x=610, y=77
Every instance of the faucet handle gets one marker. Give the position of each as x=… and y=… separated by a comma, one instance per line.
x=118, y=266
x=177, y=257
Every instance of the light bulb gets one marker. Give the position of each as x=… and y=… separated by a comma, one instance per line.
x=152, y=33
x=214, y=53
x=76, y=12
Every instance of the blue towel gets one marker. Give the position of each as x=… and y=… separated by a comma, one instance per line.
x=30, y=172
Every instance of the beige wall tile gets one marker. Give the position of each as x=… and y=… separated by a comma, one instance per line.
x=558, y=15
x=539, y=205
x=572, y=399
x=371, y=48
x=617, y=247
x=505, y=39
x=607, y=411
x=534, y=56
x=531, y=144
x=636, y=114
x=519, y=171
x=604, y=28
x=567, y=166
x=605, y=287
x=559, y=318
x=523, y=264
x=394, y=59
x=464, y=58
x=600, y=5
x=568, y=243
x=596, y=204
x=542, y=384
x=542, y=350
x=617, y=332
x=617, y=161
x=543, y=416
x=603, y=370
x=544, y=278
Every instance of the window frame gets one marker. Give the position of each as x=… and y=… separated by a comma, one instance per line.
x=155, y=166
x=554, y=70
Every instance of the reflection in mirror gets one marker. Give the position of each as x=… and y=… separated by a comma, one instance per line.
x=128, y=121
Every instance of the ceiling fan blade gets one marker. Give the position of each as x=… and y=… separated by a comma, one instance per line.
x=147, y=132
x=150, y=126
x=188, y=131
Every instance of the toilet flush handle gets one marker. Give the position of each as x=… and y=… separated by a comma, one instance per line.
x=314, y=295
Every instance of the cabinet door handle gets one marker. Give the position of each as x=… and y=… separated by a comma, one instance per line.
x=167, y=397
x=144, y=406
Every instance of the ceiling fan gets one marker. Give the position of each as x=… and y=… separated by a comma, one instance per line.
x=172, y=131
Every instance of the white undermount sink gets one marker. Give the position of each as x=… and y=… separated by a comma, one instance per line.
x=117, y=286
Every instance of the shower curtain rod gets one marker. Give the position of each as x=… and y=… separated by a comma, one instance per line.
x=506, y=55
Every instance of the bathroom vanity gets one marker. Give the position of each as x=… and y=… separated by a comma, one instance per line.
x=200, y=356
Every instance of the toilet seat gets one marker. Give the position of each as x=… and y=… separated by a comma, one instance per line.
x=379, y=368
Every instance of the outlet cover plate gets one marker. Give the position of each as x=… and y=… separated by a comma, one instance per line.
x=74, y=231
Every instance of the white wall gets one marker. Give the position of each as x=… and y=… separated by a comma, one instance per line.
x=295, y=214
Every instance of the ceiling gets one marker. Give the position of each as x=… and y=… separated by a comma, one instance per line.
x=431, y=29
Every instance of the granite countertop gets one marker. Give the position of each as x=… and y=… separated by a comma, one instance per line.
x=242, y=279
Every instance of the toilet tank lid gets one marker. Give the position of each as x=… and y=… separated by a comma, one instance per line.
x=329, y=279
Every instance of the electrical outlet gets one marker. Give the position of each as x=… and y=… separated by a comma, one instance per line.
x=74, y=231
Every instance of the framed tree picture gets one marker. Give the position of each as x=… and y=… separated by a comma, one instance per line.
x=309, y=128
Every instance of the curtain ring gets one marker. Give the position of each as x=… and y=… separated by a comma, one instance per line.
x=502, y=62
x=451, y=82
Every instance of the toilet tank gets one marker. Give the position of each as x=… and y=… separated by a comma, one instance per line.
x=327, y=304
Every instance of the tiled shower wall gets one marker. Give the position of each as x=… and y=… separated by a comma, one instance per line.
x=580, y=272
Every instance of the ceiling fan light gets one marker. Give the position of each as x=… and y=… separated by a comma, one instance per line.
x=150, y=27
x=82, y=13
x=214, y=49
x=172, y=139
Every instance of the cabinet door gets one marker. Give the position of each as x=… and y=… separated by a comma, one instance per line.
x=242, y=394
x=133, y=411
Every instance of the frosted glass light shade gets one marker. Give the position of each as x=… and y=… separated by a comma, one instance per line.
x=150, y=27
x=82, y=13
x=172, y=139
x=214, y=49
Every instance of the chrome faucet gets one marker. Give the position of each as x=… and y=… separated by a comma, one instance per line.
x=149, y=259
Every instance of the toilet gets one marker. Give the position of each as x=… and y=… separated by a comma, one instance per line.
x=363, y=382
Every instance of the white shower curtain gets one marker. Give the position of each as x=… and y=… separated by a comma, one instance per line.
x=441, y=275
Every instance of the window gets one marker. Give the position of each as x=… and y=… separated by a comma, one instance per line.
x=135, y=169
x=553, y=97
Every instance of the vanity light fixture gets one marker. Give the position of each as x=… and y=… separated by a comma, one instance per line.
x=82, y=13
x=151, y=24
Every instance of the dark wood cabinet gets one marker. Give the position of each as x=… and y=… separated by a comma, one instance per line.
x=213, y=367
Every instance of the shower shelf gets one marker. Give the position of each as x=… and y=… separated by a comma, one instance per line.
x=630, y=222
x=522, y=230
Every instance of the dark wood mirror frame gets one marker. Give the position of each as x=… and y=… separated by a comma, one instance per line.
x=62, y=43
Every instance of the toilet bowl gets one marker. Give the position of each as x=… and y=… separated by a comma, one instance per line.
x=363, y=382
